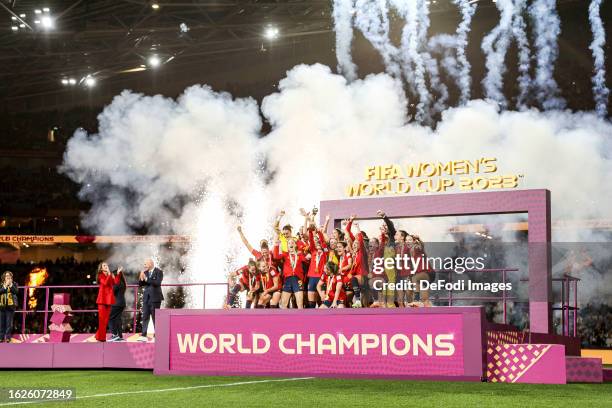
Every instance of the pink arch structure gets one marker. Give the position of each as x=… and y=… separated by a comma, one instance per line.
x=536, y=203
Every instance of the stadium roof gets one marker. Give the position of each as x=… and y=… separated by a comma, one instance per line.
x=109, y=40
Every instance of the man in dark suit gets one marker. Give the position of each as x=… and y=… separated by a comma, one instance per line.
x=151, y=278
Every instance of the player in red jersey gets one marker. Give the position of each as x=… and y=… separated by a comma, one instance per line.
x=334, y=295
x=359, y=249
x=376, y=275
x=345, y=265
x=264, y=249
x=242, y=284
x=270, y=285
x=318, y=259
x=404, y=273
x=421, y=271
x=254, y=286
x=293, y=272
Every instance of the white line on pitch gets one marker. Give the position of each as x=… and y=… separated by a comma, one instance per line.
x=194, y=387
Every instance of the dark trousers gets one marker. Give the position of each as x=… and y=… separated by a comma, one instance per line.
x=6, y=324
x=115, y=322
x=148, y=310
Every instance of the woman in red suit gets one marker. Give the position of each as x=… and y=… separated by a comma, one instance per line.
x=105, y=300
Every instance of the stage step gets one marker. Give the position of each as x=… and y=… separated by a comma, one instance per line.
x=584, y=369
x=607, y=375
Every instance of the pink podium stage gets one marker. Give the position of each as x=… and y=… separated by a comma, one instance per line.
x=36, y=351
x=441, y=343
x=437, y=343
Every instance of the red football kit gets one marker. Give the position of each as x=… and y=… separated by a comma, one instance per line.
x=401, y=250
x=292, y=263
x=318, y=259
x=258, y=255
x=267, y=280
x=331, y=285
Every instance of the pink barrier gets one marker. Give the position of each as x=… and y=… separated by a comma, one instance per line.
x=425, y=343
x=93, y=288
x=526, y=363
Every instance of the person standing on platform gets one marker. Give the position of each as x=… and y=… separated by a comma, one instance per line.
x=105, y=299
x=118, y=307
x=8, y=304
x=389, y=252
x=151, y=278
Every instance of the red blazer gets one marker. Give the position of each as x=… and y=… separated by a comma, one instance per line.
x=105, y=293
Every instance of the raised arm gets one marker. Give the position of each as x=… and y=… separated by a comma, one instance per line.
x=390, y=227
x=117, y=277
x=277, y=222
x=311, y=241
x=276, y=251
x=326, y=223
x=244, y=240
x=359, y=233
x=322, y=240
x=349, y=225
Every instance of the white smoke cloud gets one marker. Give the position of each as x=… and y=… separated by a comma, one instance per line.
x=371, y=18
x=522, y=43
x=193, y=166
x=452, y=48
x=343, y=26
x=413, y=63
x=495, y=46
x=547, y=27
x=600, y=90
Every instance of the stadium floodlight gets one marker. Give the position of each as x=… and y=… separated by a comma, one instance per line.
x=14, y=28
x=155, y=6
x=37, y=11
x=46, y=9
x=90, y=81
x=21, y=25
x=271, y=32
x=72, y=81
x=22, y=15
x=13, y=18
x=36, y=21
x=47, y=22
x=64, y=81
x=154, y=61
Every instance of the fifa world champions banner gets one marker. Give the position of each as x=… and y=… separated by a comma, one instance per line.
x=426, y=343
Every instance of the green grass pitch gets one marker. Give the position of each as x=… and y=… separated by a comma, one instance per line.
x=115, y=388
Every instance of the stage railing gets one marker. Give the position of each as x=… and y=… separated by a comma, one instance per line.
x=504, y=298
x=24, y=311
x=567, y=281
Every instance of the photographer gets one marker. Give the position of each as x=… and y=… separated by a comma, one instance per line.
x=8, y=304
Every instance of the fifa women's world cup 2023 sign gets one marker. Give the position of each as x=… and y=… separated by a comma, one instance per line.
x=433, y=177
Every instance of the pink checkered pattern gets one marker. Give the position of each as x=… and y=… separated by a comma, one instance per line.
x=508, y=362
